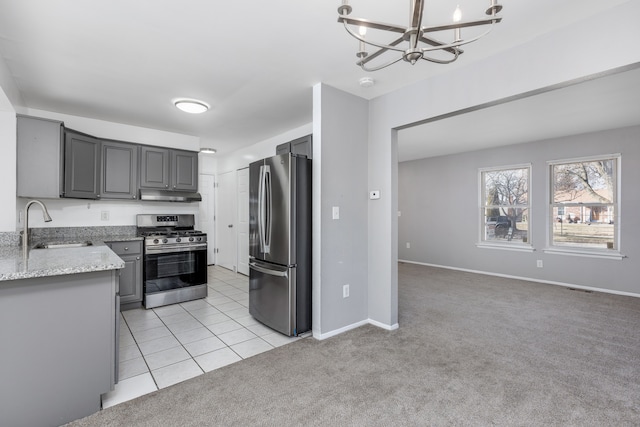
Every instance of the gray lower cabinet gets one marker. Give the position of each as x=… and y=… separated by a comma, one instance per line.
x=59, y=346
x=81, y=166
x=131, y=274
x=119, y=170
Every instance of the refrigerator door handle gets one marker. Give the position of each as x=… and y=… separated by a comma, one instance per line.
x=268, y=209
x=261, y=208
x=256, y=267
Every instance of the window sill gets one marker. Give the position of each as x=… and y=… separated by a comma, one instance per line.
x=610, y=254
x=518, y=247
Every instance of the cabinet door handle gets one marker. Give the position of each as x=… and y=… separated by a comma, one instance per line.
x=138, y=258
x=126, y=249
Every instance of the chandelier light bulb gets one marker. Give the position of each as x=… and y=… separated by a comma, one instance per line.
x=457, y=17
x=457, y=14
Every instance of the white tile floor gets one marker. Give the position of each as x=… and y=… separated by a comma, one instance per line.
x=166, y=345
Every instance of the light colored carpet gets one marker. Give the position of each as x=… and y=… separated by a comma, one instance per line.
x=471, y=350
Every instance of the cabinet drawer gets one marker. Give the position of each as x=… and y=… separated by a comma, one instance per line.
x=124, y=248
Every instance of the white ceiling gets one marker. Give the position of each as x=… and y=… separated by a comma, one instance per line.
x=254, y=61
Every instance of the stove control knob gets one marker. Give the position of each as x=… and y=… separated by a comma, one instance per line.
x=191, y=239
x=178, y=240
x=155, y=240
x=199, y=238
x=165, y=240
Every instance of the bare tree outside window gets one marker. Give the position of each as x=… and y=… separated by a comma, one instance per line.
x=505, y=204
x=584, y=203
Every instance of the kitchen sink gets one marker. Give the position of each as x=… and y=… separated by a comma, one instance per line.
x=54, y=245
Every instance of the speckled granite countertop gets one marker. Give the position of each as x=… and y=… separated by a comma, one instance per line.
x=56, y=262
x=61, y=261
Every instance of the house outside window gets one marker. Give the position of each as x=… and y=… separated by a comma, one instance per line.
x=505, y=206
x=584, y=203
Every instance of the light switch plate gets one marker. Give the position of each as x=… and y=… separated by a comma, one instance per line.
x=336, y=212
x=374, y=194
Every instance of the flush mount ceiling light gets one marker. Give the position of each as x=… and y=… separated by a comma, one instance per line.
x=208, y=150
x=192, y=106
x=413, y=43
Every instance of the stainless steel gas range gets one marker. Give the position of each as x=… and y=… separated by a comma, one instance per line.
x=175, y=259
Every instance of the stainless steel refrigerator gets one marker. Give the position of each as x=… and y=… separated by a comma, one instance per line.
x=280, y=243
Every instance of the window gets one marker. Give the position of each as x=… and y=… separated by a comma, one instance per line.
x=584, y=203
x=504, y=210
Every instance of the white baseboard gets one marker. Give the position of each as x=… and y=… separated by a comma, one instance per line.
x=529, y=279
x=384, y=325
x=335, y=332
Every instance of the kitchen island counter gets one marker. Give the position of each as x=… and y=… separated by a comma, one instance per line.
x=56, y=262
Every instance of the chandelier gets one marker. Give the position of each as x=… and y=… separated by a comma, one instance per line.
x=415, y=42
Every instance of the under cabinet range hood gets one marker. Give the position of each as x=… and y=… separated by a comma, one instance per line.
x=169, y=196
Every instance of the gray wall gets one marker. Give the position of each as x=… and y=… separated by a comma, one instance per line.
x=340, y=179
x=438, y=200
x=568, y=54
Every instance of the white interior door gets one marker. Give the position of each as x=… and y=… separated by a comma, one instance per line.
x=206, y=214
x=226, y=221
x=243, y=221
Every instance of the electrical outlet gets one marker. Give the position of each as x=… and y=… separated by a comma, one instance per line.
x=539, y=263
x=408, y=245
x=345, y=291
x=104, y=215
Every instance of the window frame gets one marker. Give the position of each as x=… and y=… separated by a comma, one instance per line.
x=514, y=245
x=584, y=251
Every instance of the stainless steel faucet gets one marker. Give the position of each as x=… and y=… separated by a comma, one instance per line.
x=25, y=232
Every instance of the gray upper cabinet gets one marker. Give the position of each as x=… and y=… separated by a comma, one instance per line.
x=119, y=170
x=154, y=167
x=54, y=161
x=300, y=146
x=81, y=166
x=168, y=169
x=40, y=152
x=184, y=175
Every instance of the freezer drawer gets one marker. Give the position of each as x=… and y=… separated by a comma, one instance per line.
x=272, y=299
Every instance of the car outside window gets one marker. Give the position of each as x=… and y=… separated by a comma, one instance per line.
x=504, y=205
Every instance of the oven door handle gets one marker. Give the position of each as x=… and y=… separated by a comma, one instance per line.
x=269, y=271
x=165, y=249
